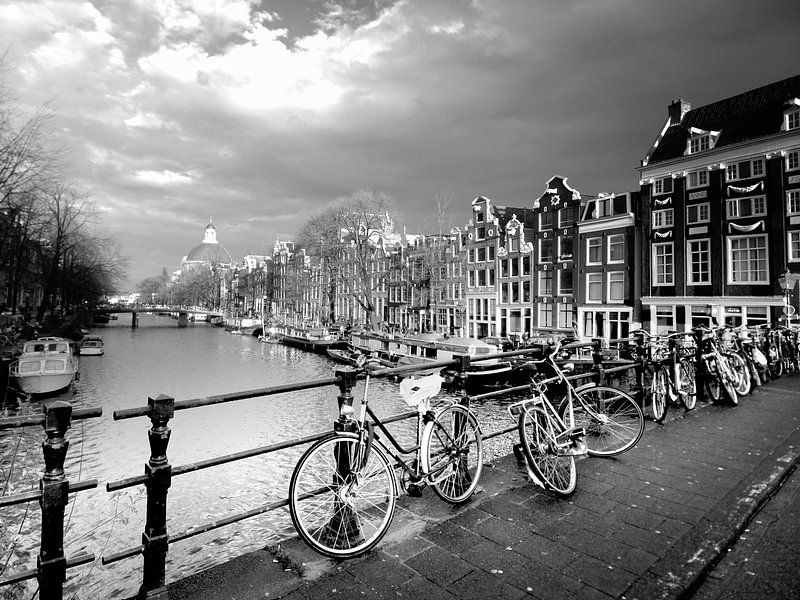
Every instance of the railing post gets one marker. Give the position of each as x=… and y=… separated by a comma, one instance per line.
x=347, y=381
x=134, y=319
x=597, y=360
x=51, y=564
x=159, y=478
x=640, y=367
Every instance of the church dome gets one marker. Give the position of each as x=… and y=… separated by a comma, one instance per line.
x=209, y=251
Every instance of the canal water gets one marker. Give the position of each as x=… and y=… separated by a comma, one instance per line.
x=192, y=362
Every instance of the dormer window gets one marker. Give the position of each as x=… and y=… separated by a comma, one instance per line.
x=700, y=140
x=791, y=115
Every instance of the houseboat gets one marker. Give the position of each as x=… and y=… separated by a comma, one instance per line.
x=46, y=366
x=315, y=339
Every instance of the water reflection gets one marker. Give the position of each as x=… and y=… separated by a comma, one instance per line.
x=197, y=361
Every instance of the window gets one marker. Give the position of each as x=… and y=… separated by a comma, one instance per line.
x=526, y=265
x=546, y=315
x=479, y=217
x=565, y=282
x=698, y=213
x=756, y=315
x=663, y=267
x=565, y=248
x=566, y=216
x=698, y=143
x=665, y=319
x=794, y=245
x=792, y=120
x=793, y=160
x=545, y=283
x=526, y=291
x=616, y=248
x=793, y=202
x=698, y=253
x=748, y=259
x=565, y=316
x=545, y=220
x=594, y=251
x=514, y=267
x=746, y=207
x=697, y=179
x=546, y=250
x=480, y=233
x=594, y=287
x=663, y=218
x=744, y=169
x=616, y=286
x=662, y=186
x=513, y=244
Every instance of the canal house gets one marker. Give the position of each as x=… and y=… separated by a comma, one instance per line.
x=720, y=201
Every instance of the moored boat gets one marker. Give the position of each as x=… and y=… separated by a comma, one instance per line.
x=46, y=366
x=91, y=345
x=316, y=339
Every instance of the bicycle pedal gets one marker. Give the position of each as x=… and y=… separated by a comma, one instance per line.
x=578, y=448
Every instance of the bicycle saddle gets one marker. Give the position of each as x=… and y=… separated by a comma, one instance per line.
x=416, y=390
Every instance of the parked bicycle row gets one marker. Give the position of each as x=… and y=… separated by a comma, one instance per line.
x=722, y=363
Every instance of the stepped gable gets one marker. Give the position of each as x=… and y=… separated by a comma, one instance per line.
x=751, y=115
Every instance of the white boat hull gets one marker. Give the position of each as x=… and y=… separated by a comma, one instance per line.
x=40, y=385
x=90, y=351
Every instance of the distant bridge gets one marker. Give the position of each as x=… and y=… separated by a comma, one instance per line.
x=181, y=313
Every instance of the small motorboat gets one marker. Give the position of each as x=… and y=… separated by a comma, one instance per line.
x=91, y=345
x=46, y=366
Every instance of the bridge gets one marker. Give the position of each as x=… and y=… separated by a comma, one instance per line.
x=182, y=313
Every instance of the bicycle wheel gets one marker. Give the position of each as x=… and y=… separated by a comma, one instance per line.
x=342, y=515
x=555, y=471
x=658, y=395
x=613, y=420
x=452, y=453
x=741, y=373
x=712, y=382
x=687, y=386
x=728, y=380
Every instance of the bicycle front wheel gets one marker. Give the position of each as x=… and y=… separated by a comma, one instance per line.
x=452, y=453
x=658, y=395
x=687, y=387
x=741, y=373
x=613, y=420
x=556, y=472
x=339, y=507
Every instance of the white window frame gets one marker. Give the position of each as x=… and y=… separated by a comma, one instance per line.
x=699, y=143
x=542, y=258
x=791, y=119
x=542, y=215
x=793, y=202
x=594, y=243
x=733, y=171
x=730, y=275
x=612, y=279
x=793, y=160
x=690, y=252
x=612, y=237
x=663, y=218
x=660, y=186
x=793, y=249
x=668, y=281
x=548, y=307
x=671, y=326
x=734, y=207
x=700, y=179
x=592, y=280
x=566, y=210
x=561, y=256
x=564, y=309
x=539, y=286
x=702, y=207
x=559, y=284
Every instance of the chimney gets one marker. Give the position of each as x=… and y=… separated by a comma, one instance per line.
x=677, y=110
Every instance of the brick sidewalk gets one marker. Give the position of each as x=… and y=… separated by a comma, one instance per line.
x=644, y=525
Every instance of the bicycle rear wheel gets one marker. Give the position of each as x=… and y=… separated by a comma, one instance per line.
x=340, y=509
x=452, y=453
x=741, y=372
x=613, y=420
x=659, y=402
x=556, y=472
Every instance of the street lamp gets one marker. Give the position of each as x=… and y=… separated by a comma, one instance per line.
x=787, y=281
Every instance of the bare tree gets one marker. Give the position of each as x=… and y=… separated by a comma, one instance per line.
x=348, y=236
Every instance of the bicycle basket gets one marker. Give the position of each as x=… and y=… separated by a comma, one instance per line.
x=416, y=390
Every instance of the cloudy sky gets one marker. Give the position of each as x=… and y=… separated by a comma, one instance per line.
x=256, y=112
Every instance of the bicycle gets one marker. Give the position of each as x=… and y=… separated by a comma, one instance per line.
x=592, y=420
x=674, y=372
x=714, y=367
x=344, y=489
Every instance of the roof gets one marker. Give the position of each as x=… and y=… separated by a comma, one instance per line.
x=751, y=115
x=210, y=253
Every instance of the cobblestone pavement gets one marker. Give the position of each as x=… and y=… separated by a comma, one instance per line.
x=648, y=524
